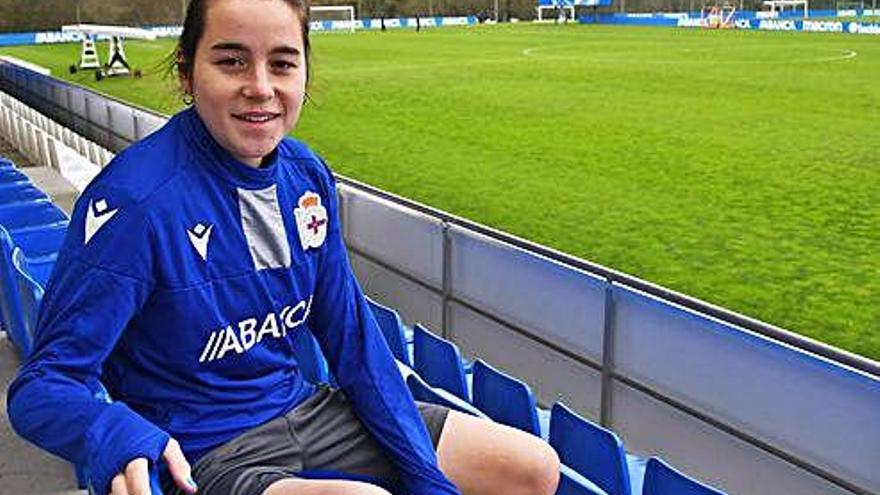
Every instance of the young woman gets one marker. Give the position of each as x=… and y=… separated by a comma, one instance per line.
x=189, y=262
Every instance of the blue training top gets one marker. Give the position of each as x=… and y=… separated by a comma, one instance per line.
x=182, y=276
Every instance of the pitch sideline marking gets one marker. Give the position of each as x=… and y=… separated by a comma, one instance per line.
x=847, y=55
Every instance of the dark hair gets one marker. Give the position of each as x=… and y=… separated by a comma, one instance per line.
x=194, y=28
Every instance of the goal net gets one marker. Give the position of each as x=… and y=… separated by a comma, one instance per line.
x=332, y=17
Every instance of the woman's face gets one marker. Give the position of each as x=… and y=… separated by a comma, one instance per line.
x=249, y=74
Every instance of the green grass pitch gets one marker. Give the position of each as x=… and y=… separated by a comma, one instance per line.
x=738, y=167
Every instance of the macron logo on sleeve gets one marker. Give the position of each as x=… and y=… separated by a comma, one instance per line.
x=97, y=215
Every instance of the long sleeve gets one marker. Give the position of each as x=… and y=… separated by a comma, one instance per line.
x=102, y=278
x=365, y=368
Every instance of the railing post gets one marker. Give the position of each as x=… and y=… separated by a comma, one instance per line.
x=109, y=142
x=88, y=119
x=69, y=108
x=343, y=214
x=446, y=331
x=134, y=125
x=606, y=413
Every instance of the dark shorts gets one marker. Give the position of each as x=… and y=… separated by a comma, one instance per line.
x=321, y=436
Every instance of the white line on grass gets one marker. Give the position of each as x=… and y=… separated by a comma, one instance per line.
x=531, y=52
x=847, y=54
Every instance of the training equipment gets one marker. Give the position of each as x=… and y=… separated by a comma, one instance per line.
x=117, y=65
x=88, y=58
x=718, y=16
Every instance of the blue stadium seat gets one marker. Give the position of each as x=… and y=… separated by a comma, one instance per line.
x=662, y=479
x=41, y=240
x=20, y=191
x=29, y=215
x=11, y=174
x=505, y=399
x=41, y=244
x=421, y=391
x=573, y=483
x=15, y=183
x=31, y=294
x=594, y=452
x=309, y=357
x=10, y=301
x=393, y=329
x=438, y=362
x=40, y=268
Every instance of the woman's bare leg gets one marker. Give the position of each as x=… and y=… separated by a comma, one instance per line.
x=486, y=458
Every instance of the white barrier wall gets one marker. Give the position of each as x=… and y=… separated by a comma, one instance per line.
x=555, y=303
x=377, y=233
x=101, y=119
x=409, y=241
x=552, y=375
x=823, y=413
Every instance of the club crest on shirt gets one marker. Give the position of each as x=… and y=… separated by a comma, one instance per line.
x=311, y=220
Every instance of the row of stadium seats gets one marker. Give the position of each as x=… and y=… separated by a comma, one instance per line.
x=32, y=230
x=47, y=143
x=594, y=460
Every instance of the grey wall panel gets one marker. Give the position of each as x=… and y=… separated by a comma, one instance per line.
x=121, y=121
x=148, y=123
x=59, y=96
x=404, y=238
x=78, y=107
x=651, y=427
x=555, y=302
x=77, y=100
x=97, y=114
x=552, y=376
x=414, y=302
x=822, y=413
x=42, y=88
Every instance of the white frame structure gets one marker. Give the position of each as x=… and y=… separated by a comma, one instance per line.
x=782, y=4
x=541, y=8
x=337, y=8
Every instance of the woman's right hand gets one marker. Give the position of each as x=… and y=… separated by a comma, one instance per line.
x=136, y=478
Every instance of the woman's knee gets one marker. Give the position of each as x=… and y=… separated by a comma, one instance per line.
x=530, y=468
x=540, y=469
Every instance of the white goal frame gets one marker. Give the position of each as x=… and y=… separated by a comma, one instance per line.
x=782, y=4
x=336, y=8
x=542, y=8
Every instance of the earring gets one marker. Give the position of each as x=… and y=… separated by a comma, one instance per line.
x=186, y=98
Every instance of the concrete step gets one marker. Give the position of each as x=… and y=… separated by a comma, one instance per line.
x=24, y=468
